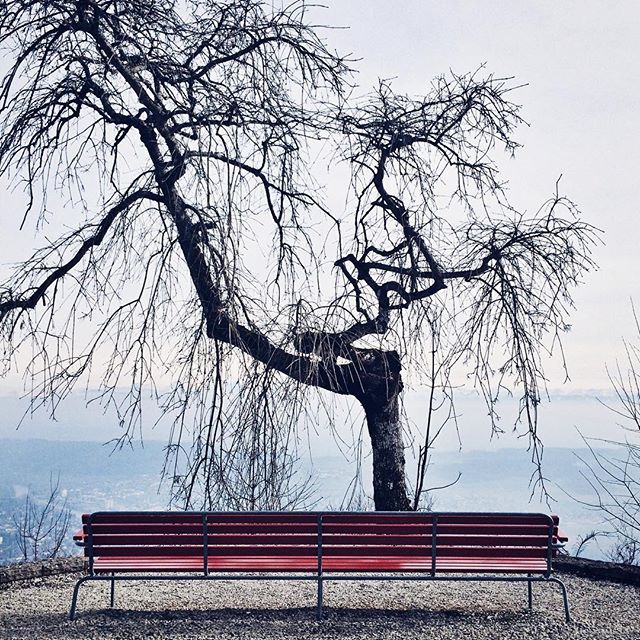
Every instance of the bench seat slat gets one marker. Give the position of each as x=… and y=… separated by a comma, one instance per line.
x=375, y=539
x=100, y=539
x=153, y=539
x=154, y=564
x=146, y=529
x=311, y=529
x=400, y=529
x=328, y=551
x=307, y=564
x=274, y=517
x=167, y=517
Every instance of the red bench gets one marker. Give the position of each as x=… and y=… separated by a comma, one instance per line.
x=319, y=546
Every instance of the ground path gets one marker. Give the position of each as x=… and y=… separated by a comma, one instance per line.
x=37, y=608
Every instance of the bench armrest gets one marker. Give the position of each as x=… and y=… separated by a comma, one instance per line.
x=79, y=537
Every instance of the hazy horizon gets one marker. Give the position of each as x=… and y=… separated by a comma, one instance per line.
x=560, y=422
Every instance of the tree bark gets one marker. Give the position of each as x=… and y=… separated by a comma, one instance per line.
x=381, y=385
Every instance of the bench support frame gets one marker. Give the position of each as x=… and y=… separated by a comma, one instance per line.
x=320, y=579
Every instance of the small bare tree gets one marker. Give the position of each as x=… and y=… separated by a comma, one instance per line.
x=615, y=477
x=42, y=526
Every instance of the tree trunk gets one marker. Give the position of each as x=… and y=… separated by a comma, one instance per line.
x=385, y=431
x=381, y=386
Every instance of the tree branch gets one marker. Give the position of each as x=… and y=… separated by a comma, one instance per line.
x=57, y=273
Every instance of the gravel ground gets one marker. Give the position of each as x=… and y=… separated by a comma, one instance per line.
x=37, y=608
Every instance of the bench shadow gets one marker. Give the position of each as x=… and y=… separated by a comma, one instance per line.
x=287, y=622
x=305, y=615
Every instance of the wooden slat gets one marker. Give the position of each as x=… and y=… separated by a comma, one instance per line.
x=477, y=519
x=169, y=517
x=311, y=550
x=494, y=528
x=176, y=529
x=461, y=529
x=361, y=539
x=312, y=529
x=141, y=552
x=144, y=529
x=267, y=564
x=377, y=518
x=263, y=527
x=100, y=540
x=492, y=552
x=275, y=528
x=498, y=552
x=390, y=543
x=162, y=564
x=257, y=518
x=300, y=563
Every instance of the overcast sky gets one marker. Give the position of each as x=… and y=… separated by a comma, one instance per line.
x=581, y=64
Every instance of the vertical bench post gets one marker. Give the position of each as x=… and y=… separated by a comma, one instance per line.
x=90, y=542
x=320, y=581
x=550, y=547
x=434, y=535
x=205, y=542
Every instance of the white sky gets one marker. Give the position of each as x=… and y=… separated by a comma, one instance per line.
x=581, y=61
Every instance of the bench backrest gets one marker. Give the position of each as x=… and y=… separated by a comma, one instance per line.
x=320, y=534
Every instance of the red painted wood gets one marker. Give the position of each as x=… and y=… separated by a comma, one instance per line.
x=307, y=564
x=360, y=540
x=137, y=540
x=274, y=551
x=173, y=541
x=310, y=517
x=145, y=529
x=167, y=517
x=377, y=518
x=337, y=529
x=499, y=552
x=180, y=564
x=267, y=528
x=495, y=519
x=142, y=552
x=257, y=518
x=377, y=529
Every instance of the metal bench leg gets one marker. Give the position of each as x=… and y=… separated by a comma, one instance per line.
x=320, y=594
x=567, y=613
x=113, y=591
x=74, y=599
x=530, y=593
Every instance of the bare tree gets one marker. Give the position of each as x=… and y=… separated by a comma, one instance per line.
x=615, y=477
x=42, y=527
x=167, y=154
